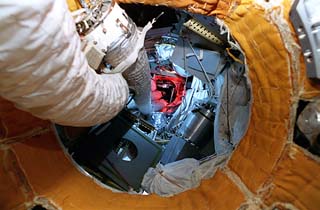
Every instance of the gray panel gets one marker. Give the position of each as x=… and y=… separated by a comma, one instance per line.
x=305, y=16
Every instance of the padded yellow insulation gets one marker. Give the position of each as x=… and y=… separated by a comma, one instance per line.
x=266, y=170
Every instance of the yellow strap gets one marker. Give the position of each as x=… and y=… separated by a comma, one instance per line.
x=73, y=5
x=234, y=57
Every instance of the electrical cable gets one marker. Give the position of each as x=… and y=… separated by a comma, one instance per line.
x=228, y=121
x=131, y=96
x=237, y=84
x=211, y=87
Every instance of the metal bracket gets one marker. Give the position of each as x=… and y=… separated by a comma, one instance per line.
x=305, y=17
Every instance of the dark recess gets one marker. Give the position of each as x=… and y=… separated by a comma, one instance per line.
x=142, y=14
x=38, y=207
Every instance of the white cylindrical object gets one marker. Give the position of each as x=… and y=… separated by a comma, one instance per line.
x=122, y=41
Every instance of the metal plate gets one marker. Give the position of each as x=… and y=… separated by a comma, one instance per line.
x=305, y=16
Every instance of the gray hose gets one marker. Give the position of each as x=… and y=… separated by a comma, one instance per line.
x=138, y=74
